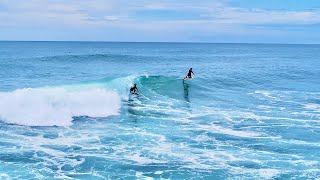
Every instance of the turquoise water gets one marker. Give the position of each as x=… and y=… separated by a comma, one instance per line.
x=251, y=112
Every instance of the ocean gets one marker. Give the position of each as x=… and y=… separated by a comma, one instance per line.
x=252, y=111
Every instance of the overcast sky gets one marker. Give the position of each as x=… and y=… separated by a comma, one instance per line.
x=263, y=21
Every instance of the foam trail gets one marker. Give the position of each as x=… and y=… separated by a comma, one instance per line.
x=56, y=105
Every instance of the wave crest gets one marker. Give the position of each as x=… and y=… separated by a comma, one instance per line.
x=56, y=106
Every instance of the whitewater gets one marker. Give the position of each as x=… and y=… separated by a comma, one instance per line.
x=251, y=112
x=56, y=106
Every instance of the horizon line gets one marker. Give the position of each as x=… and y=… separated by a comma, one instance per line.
x=173, y=42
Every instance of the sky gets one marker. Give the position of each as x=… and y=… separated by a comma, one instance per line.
x=220, y=21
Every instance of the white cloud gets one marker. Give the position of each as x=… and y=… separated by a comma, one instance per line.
x=258, y=16
x=212, y=17
x=83, y=12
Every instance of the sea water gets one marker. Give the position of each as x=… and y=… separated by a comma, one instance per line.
x=252, y=111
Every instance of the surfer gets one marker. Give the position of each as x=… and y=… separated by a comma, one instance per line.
x=189, y=75
x=134, y=89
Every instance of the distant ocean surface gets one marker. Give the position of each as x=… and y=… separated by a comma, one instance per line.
x=251, y=112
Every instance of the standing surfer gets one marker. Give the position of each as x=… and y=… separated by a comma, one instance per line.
x=189, y=75
x=134, y=89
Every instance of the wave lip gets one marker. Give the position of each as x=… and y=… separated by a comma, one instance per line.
x=56, y=106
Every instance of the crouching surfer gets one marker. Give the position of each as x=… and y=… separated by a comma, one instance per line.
x=134, y=89
x=189, y=75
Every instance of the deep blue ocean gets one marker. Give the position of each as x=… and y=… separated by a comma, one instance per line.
x=252, y=111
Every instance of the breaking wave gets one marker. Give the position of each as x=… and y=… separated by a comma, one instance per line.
x=56, y=106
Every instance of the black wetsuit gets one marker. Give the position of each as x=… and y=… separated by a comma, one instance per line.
x=133, y=90
x=190, y=74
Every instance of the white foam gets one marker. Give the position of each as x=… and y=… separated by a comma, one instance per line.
x=265, y=94
x=268, y=173
x=238, y=133
x=57, y=105
x=313, y=107
x=4, y=176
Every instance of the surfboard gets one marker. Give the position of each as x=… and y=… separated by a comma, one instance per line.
x=134, y=93
x=186, y=78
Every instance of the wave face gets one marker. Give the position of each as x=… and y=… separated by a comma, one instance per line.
x=56, y=106
x=251, y=112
